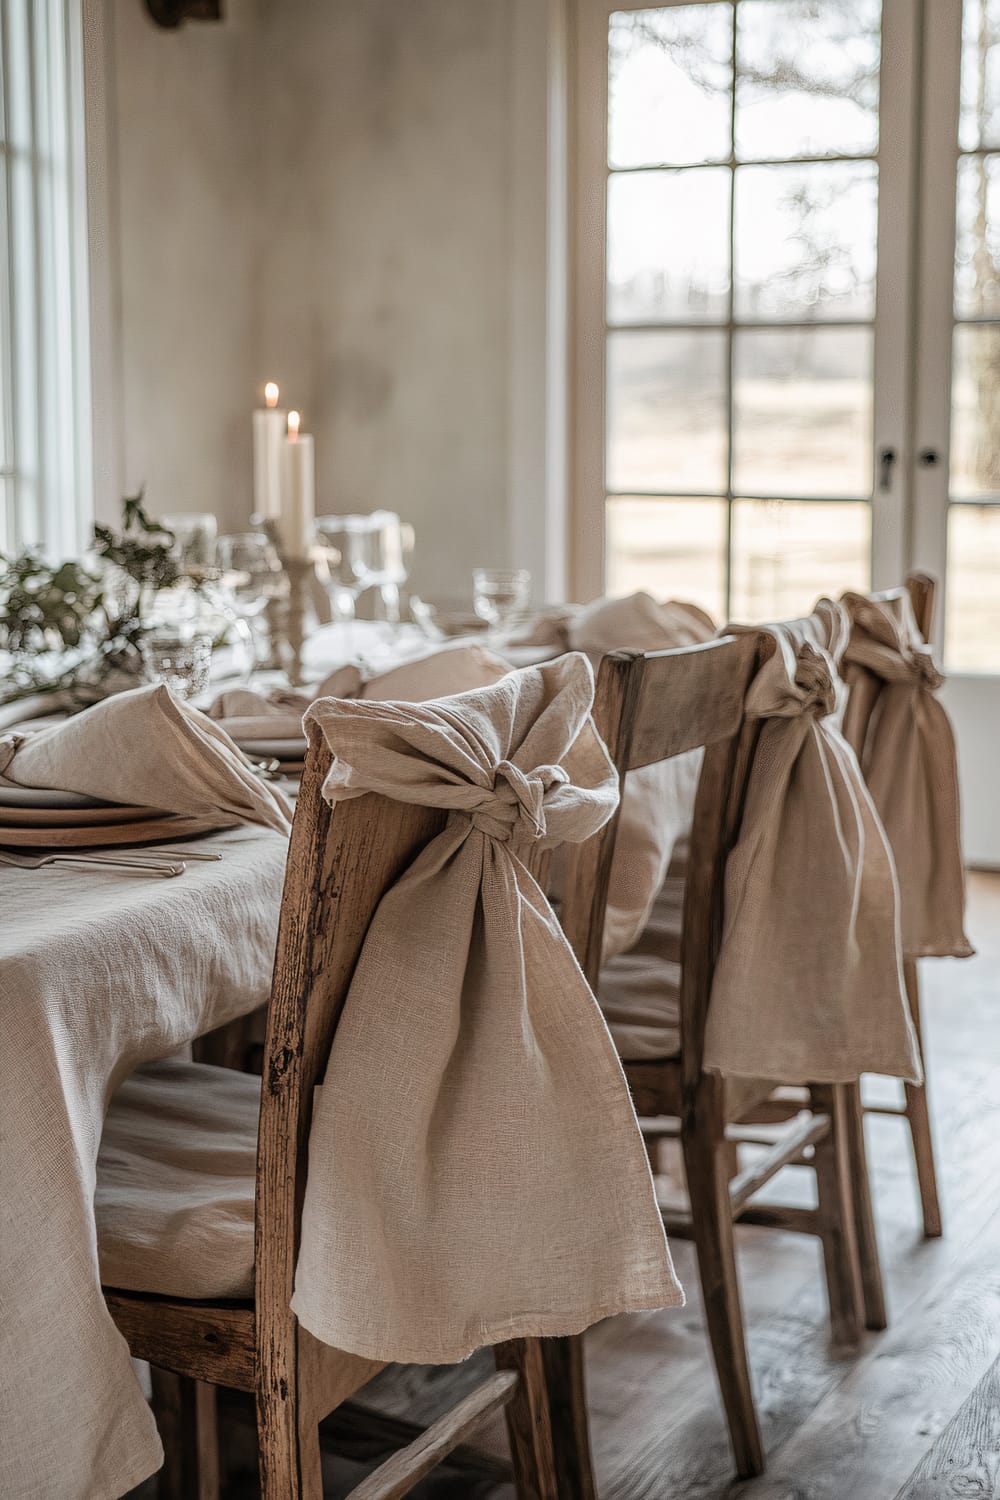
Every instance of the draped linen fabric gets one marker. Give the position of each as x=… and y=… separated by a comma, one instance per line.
x=908, y=759
x=475, y=1169
x=249, y=716
x=808, y=986
x=145, y=748
x=657, y=800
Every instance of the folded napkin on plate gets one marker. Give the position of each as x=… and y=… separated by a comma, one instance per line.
x=475, y=1169
x=145, y=748
x=808, y=985
x=249, y=716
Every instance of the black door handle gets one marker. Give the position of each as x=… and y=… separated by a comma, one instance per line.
x=886, y=459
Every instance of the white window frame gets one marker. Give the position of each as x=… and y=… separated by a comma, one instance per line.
x=44, y=289
x=894, y=392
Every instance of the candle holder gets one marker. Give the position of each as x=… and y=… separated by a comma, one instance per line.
x=297, y=571
x=285, y=616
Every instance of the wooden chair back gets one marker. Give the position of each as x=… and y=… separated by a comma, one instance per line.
x=864, y=688
x=341, y=861
x=648, y=708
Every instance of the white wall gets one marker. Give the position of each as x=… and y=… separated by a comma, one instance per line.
x=187, y=185
x=321, y=193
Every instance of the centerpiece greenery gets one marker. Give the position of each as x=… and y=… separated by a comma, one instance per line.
x=76, y=627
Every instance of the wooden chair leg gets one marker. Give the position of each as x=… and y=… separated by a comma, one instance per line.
x=836, y=1218
x=873, y=1293
x=706, y=1162
x=566, y=1384
x=288, y=1451
x=919, y=1120
x=529, y=1426
x=186, y=1417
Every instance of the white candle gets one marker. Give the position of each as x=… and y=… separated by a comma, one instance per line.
x=298, y=490
x=268, y=440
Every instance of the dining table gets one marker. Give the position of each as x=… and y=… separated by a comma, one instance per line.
x=99, y=972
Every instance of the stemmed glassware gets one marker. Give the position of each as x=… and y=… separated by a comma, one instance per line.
x=251, y=576
x=392, y=539
x=499, y=596
x=349, y=560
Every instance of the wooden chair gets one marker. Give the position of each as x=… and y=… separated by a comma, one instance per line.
x=650, y=708
x=340, y=863
x=865, y=690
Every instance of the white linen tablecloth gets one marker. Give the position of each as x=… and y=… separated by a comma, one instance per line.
x=98, y=973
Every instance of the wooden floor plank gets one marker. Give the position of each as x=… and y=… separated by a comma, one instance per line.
x=965, y=1460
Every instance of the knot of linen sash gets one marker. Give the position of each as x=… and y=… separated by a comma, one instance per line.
x=888, y=644
x=815, y=681
x=515, y=812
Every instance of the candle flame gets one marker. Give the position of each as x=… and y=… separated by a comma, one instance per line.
x=294, y=423
x=270, y=394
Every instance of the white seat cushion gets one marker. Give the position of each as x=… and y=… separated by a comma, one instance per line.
x=639, y=991
x=176, y=1179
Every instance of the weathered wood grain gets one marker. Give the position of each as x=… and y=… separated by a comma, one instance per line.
x=964, y=1463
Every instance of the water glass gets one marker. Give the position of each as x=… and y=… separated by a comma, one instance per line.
x=180, y=661
x=195, y=534
x=500, y=595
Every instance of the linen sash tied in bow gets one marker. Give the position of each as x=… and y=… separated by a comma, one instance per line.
x=473, y=1097
x=808, y=985
x=907, y=753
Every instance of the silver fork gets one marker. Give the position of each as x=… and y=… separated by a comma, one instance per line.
x=158, y=870
x=150, y=856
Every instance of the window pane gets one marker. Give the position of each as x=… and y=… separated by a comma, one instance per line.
x=785, y=555
x=670, y=85
x=802, y=420
x=805, y=241
x=972, y=622
x=979, y=122
x=666, y=406
x=668, y=246
x=977, y=254
x=674, y=549
x=975, y=412
x=807, y=78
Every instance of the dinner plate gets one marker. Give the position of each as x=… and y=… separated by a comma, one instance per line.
x=281, y=749
x=77, y=817
x=108, y=834
x=37, y=796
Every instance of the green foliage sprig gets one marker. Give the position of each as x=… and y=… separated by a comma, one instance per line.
x=65, y=608
x=141, y=549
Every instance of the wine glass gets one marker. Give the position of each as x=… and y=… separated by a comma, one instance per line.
x=348, y=561
x=251, y=576
x=391, y=541
x=499, y=595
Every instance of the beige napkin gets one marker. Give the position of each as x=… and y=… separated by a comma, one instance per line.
x=249, y=716
x=475, y=1169
x=658, y=800
x=808, y=986
x=145, y=748
x=908, y=758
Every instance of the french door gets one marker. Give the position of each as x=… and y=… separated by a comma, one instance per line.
x=787, y=377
